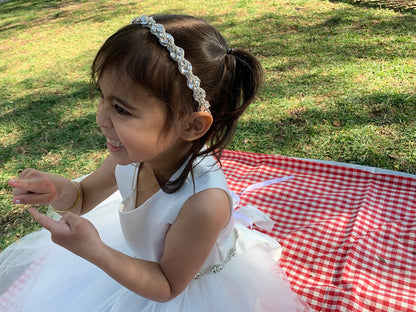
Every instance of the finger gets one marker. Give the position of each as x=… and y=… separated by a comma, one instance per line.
x=15, y=184
x=32, y=191
x=29, y=198
x=28, y=172
x=48, y=223
x=30, y=185
x=72, y=219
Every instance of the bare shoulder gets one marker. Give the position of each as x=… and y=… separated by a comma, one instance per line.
x=208, y=206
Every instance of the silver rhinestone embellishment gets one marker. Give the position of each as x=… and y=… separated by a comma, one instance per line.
x=178, y=55
x=218, y=267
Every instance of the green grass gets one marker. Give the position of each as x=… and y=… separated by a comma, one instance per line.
x=340, y=83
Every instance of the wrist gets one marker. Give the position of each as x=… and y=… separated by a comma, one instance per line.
x=68, y=201
x=101, y=255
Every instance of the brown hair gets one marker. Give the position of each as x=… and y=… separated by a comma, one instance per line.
x=231, y=78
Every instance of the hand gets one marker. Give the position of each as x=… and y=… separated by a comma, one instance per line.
x=33, y=187
x=74, y=233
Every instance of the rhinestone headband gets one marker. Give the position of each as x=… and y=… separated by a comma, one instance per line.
x=178, y=55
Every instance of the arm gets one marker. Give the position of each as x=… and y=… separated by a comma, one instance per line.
x=187, y=245
x=36, y=187
x=99, y=185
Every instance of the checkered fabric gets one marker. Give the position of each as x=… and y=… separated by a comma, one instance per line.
x=348, y=235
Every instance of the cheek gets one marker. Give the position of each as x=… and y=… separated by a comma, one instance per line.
x=134, y=138
x=127, y=136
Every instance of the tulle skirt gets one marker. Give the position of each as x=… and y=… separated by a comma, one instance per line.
x=37, y=275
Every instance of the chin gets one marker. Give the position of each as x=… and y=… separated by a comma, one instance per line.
x=122, y=161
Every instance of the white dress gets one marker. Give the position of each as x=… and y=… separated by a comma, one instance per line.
x=240, y=274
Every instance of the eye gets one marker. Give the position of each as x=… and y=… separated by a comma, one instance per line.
x=119, y=110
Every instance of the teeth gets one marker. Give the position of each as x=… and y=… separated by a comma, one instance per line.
x=115, y=143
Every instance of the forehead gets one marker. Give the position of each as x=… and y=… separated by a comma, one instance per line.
x=119, y=88
x=115, y=81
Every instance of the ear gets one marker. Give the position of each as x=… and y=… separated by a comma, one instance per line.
x=195, y=125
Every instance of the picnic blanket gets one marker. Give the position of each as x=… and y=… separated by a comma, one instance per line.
x=348, y=235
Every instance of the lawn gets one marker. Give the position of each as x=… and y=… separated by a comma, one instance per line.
x=340, y=83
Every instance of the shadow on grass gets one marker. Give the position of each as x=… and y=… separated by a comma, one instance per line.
x=333, y=39
x=23, y=14
x=289, y=38
x=326, y=36
x=20, y=15
x=396, y=5
x=16, y=6
x=340, y=132
x=39, y=120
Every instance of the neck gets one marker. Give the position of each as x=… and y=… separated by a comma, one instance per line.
x=167, y=165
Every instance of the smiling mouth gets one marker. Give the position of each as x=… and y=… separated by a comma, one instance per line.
x=115, y=143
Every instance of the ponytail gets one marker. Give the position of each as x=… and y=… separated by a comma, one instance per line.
x=241, y=80
x=248, y=77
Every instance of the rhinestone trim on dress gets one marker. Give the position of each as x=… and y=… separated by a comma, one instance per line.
x=217, y=268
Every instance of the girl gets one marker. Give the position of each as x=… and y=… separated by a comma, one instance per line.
x=176, y=246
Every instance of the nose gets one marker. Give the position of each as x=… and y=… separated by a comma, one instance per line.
x=102, y=118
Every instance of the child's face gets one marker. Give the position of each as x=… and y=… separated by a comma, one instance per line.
x=133, y=122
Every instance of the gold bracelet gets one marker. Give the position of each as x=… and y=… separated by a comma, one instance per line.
x=79, y=197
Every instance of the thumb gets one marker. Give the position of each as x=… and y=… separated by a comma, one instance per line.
x=48, y=223
x=78, y=226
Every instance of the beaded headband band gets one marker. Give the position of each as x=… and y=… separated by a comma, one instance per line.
x=178, y=55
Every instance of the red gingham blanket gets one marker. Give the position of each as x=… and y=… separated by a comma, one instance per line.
x=348, y=235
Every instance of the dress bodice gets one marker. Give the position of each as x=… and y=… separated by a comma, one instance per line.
x=145, y=227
